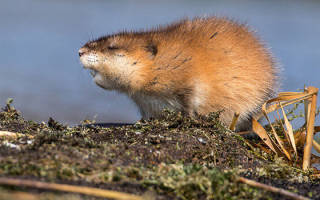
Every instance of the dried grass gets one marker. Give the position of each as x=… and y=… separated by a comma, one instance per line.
x=285, y=142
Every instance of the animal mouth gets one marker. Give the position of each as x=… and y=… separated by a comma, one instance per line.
x=93, y=72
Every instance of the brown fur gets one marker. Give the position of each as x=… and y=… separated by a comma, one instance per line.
x=194, y=66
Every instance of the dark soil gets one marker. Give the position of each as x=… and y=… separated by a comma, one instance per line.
x=171, y=158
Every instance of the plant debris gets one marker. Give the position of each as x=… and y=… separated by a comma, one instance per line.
x=176, y=157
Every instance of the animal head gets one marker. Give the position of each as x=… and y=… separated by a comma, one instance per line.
x=118, y=61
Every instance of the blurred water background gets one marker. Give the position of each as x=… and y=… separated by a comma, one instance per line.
x=39, y=41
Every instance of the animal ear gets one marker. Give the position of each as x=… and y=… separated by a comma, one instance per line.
x=152, y=49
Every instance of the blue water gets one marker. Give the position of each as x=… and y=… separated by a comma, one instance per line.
x=39, y=40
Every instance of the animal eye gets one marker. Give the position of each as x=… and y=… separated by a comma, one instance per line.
x=112, y=47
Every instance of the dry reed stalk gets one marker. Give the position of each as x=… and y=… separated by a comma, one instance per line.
x=258, y=129
x=309, y=96
x=234, y=121
x=287, y=98
x=307, y=107
x=282, y=126
x=300, y=138
x=70, y=188
x=279, y=141
x=289, y=132
x=316, y=145
x=310, y=129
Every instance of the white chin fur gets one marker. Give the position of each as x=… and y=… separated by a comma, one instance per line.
x=101, y=81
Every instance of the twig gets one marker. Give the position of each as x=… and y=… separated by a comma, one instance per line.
x=272, y=189
x=70, y=188
x=243, y=132
x=310, y=129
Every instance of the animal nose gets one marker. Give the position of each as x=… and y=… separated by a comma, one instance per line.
x=82, y=51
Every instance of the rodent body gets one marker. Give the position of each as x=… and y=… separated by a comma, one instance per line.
x=194, y=66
